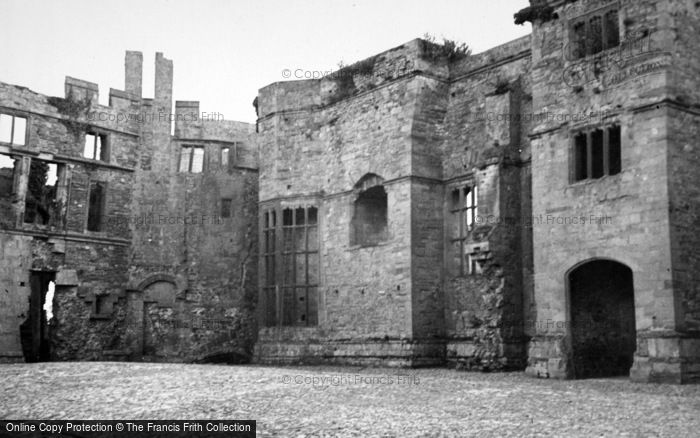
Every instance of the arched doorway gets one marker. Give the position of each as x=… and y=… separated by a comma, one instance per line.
x=603, y=330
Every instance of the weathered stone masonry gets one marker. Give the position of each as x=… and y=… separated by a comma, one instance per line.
x=539, y=205
x=534, y=206
x=170, y=274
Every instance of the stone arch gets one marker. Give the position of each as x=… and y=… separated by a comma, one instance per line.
x=368, y=181
x=155, y=278
x=601, y=314
x=369, y=224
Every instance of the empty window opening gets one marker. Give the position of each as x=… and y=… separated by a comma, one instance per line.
x=369, y=223
x=101, y=303
x=597, y=153
x=96, y=147
x=579, y=40
x=614, y=150
x=226, y=205
x=13, y=129
x=612, y=29
x=476, y=266
x=40, y=202
x=191, y=159
x=225, y=154
x=464, y=212
x=8, y=165
x=96, y=208
x=594, y=33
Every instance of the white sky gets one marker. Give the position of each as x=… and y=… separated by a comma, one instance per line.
x=224, y=51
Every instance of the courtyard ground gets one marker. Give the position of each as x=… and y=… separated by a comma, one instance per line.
x=330, y=401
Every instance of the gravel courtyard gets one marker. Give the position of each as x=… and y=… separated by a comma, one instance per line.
x=312, y=401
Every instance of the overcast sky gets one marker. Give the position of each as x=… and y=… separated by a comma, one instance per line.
x=224, y=51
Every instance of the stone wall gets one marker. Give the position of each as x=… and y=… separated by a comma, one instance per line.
x=317, y=156
x=401, y=118
x=684, y=207
x=621, y=217
x=192, y=269
x=55, y=134
x=148, y=284
x=486, y=146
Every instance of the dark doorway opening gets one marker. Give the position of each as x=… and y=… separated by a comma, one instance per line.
x=602, y=319
x=34, y=331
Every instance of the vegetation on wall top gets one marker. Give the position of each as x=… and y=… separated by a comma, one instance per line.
x=449, y=50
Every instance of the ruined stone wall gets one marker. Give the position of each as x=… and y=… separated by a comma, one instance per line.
x=319, y=138
x=165, y=277
x=486, y=145
x=209, y=258
x=95, y=260
x=192, y=274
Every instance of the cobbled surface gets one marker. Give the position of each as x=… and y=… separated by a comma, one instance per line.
x=350, y=402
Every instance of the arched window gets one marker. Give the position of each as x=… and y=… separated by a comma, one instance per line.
x=369, y=221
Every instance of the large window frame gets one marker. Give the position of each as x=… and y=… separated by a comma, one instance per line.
x=290, y=260
x=187, y=158
x=96, y=146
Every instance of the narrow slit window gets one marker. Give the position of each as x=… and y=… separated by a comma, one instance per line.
x=615, y=150
x=597, y=154
x=595, y=36
x=226, y=204
x=612, y=29
x=6, y=128
x=7, y=176
x=97, y=206
x=225, y=154
x=464, y=208
x=197, y=160
x=185, y=157
x=579, y=40
x=581, y=157
x=19, y=131
x=8, y=181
